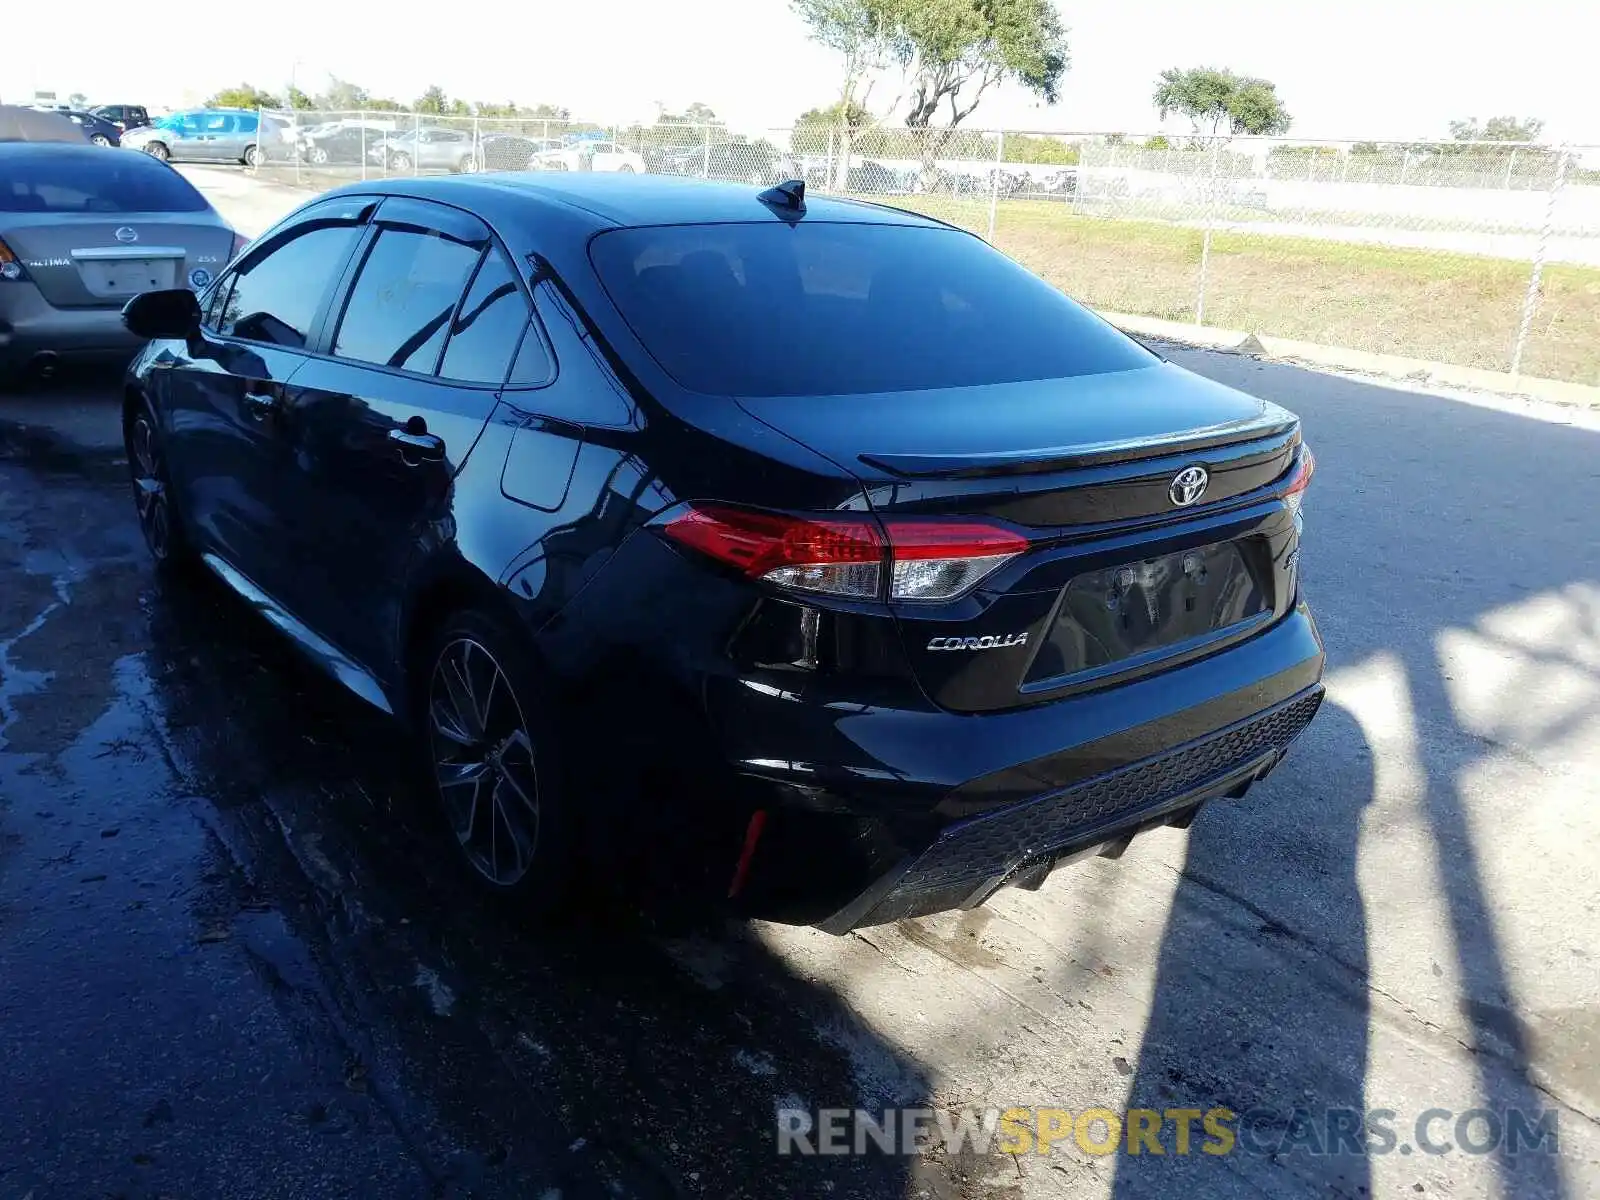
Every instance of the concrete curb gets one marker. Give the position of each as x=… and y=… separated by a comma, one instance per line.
x=1415, y=370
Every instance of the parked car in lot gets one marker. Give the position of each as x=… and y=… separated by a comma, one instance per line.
x=123, y=116
x=748, y=162
x=809, y=552
x=508, y=151
x=585, y=155
x=427, y=150
x=211, y=135
x=98, y=130
x=340, y=144
x=81, y=230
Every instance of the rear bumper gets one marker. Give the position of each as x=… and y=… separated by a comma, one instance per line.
x=973, y=859
x=927, y=810
x=30, y=325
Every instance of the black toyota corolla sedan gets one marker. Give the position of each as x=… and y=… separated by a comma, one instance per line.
x=809, y=552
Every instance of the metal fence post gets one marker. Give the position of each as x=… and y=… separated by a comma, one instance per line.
x=994, y=182
x=363, y=117
x=261, y=125
x=1511, y=161
x=416, y=140
x=827, y=185
x=1205, y=242
x=1530, y=302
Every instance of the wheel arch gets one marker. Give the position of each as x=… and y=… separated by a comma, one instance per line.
x=448, y=585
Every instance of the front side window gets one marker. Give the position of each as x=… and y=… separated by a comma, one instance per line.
x=485, y=333
x=275, y=298
x=400, y=307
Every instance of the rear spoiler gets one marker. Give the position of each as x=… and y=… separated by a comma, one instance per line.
x=1272, y=424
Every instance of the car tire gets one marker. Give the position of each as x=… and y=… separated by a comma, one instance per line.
x=252, y=156
x=159, y=521
x=318, y=156
x=100, y=139
x=469, y=165
x=158, y=151
x=400, y=162
x=493, y=756
x=625, y=169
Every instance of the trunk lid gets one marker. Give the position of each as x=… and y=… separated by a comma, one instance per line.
x=1120, y=576
x=101, y=260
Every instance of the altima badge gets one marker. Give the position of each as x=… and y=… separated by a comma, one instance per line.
x=996, y=641
x=1188, y=485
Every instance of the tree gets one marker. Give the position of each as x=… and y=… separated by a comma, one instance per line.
x=343, y=96
x=834, y=115
x=1497, y=129
x=857, y=29
x=1045, y=151
x=243, y=96
x=300, y=101
x=1217, y=99
x=953, y=51
x=432, y=101
x=1159, y=142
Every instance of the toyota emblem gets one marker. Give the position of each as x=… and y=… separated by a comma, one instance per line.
x=1188, y=485
x=126, y=233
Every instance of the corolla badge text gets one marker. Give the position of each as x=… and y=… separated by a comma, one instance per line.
x=989, y=641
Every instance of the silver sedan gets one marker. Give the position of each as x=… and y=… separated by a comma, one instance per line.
x=82, y=229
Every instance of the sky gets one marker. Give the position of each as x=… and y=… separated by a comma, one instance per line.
x=1360, y=69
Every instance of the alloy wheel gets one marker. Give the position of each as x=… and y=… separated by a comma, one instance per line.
x=483, y=762
x=149, y=489
x=100, y=139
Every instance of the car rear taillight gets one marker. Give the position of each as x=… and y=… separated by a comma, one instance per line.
x=847, y=555
x=1300, y=479
x=239, y=244
x=942, y=559
x=10, y=265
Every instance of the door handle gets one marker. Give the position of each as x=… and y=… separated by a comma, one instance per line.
x=417, y=447
x=259, y=405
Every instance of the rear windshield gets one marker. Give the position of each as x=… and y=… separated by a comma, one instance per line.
x=818, y=309
x=103, y=181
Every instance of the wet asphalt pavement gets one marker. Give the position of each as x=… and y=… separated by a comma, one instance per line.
x=233, y=962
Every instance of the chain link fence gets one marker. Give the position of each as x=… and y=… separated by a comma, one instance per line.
x=1476, y=254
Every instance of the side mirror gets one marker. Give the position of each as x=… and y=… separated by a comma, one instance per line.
x=174, y=313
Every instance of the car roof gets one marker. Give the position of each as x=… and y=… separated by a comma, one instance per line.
x=613, y=199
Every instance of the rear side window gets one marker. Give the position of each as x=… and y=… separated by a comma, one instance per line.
x=818, y=309
x=275, y=298
x=486, y=331
x=400, y=307
x=98, y=182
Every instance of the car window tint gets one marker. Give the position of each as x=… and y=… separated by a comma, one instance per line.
x=532, y=366
x=95, y=183
x=400, y=307
x=216, y=305
x=218, y=123
x=276, y=298
x=770, y=309
x=484, y=335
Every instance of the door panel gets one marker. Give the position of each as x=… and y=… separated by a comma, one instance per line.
x=376, y=439
x=227, y=398
x=373, y=457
